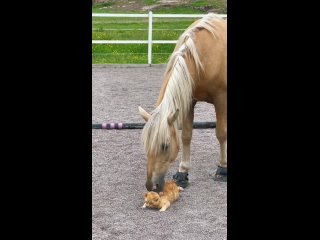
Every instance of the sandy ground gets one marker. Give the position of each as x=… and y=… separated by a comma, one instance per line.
x=119, y=166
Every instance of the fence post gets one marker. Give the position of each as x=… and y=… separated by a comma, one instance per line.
x=150, y=39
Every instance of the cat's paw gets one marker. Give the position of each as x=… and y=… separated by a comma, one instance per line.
x=144, y=206
x=162, y=210
x=181, y=188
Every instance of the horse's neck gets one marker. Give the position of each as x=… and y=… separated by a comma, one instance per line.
x=167, y=75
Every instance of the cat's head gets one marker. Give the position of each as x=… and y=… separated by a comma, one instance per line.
x=152, y=199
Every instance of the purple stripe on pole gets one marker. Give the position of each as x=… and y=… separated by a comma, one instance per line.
x=104, y=125
x=120, y=125
x=112, y=125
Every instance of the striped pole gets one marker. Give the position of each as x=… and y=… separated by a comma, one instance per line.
x=118, y=126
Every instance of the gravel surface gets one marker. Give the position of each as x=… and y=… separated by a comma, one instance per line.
x=119, y=165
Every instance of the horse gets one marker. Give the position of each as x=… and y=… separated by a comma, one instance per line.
x=196, y=71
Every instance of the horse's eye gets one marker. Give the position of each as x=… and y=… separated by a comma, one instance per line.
x=164, y=147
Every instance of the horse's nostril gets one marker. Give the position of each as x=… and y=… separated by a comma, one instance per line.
x=156, y=188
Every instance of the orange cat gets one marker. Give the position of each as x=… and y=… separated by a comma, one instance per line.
x=163, y=199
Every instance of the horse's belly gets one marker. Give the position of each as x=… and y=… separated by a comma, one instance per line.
x=202, y=94
x=207, y=90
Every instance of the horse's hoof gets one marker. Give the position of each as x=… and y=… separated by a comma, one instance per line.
x=221, y=174
x=181, y=179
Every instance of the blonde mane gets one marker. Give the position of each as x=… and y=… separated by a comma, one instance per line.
x=179, y=90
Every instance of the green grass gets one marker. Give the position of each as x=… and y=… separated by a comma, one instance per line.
x=112, y=29
x=131, y=53
x=193, y=7
x=211, y=3
x=116, y=29
x=96, y=8
x=150, y=2
x=177, y=10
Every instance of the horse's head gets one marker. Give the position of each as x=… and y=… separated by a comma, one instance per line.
x=161, y=144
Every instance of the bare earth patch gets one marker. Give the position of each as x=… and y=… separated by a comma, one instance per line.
x=119, y=166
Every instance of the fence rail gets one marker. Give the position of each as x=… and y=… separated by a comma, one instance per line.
x=150, y=41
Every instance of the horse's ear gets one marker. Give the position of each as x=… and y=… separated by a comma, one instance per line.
x=145, y=115
x=172, y=117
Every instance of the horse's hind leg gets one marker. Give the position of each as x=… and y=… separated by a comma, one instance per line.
x=221, y=133
x=182, y=175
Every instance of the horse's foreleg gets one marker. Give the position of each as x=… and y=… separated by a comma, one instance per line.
x=182, y=175
x=221, y=133
x=186, y=142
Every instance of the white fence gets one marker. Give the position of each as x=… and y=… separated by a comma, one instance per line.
x=150, y=40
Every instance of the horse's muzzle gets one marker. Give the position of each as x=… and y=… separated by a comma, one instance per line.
x=156, y=186
x=149, y=186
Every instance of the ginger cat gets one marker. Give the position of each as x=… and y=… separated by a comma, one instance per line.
x=163, y=199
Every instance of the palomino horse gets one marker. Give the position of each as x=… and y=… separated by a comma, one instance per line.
x=196, y=71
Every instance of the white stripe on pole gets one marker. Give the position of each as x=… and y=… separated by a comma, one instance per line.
x=150, y=39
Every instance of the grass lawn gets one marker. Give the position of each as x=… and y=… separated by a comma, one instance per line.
x=137, y=29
